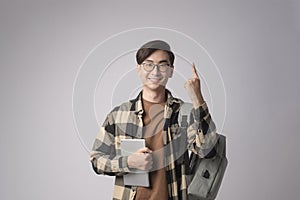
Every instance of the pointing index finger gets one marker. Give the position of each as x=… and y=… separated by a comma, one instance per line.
x=195, y=74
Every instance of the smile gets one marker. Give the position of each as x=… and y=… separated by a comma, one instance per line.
x=154, y=80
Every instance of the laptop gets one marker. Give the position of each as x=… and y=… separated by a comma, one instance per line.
x=137, y=177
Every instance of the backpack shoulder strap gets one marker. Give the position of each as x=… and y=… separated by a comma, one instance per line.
x=221, y=147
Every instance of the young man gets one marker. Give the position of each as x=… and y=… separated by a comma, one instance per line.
x=153, y=115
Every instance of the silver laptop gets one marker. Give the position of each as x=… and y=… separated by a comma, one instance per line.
x=137, y=177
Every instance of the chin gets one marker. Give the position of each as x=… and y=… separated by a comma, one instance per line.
x=154, y=87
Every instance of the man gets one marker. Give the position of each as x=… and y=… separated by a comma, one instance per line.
x=153, y=115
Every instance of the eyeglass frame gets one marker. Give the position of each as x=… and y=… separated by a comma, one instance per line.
x=155, y=65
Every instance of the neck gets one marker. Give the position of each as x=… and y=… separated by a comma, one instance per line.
x=154, y=96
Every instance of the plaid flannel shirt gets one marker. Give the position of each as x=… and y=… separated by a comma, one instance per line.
x=125, y=121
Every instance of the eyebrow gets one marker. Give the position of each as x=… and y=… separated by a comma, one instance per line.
x=162, y=61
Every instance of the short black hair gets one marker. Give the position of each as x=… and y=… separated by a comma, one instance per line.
x=150, y=47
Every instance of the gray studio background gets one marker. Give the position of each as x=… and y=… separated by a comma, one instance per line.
x=43, y=43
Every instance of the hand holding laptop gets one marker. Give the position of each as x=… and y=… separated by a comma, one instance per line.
x=141, y=159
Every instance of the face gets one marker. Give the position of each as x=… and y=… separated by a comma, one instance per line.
x=155, y=79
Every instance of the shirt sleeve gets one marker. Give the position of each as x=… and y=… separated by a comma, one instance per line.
x=103, y=156
x=202, y=135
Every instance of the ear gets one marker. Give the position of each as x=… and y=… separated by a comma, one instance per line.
x=138, y=68
x=171, y=72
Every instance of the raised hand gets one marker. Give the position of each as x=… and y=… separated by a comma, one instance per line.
x=193, y=88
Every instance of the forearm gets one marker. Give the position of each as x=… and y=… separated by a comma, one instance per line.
x=202, y=133
x=103, y=164
x=105, y=156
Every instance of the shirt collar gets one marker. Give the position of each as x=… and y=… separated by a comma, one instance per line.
x=137, y=105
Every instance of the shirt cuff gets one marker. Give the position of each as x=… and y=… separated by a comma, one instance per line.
x=200, y=112
x=124, y=163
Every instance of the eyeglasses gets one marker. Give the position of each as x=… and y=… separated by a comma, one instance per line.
x=150, y=66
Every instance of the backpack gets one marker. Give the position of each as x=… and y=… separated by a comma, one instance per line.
x=206, y=174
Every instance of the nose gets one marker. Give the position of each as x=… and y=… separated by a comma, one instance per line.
x=155, y=70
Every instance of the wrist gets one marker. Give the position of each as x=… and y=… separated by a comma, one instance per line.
x=129, y=162
x=198, y=101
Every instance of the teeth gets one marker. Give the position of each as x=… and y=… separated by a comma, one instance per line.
x=154, y=78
